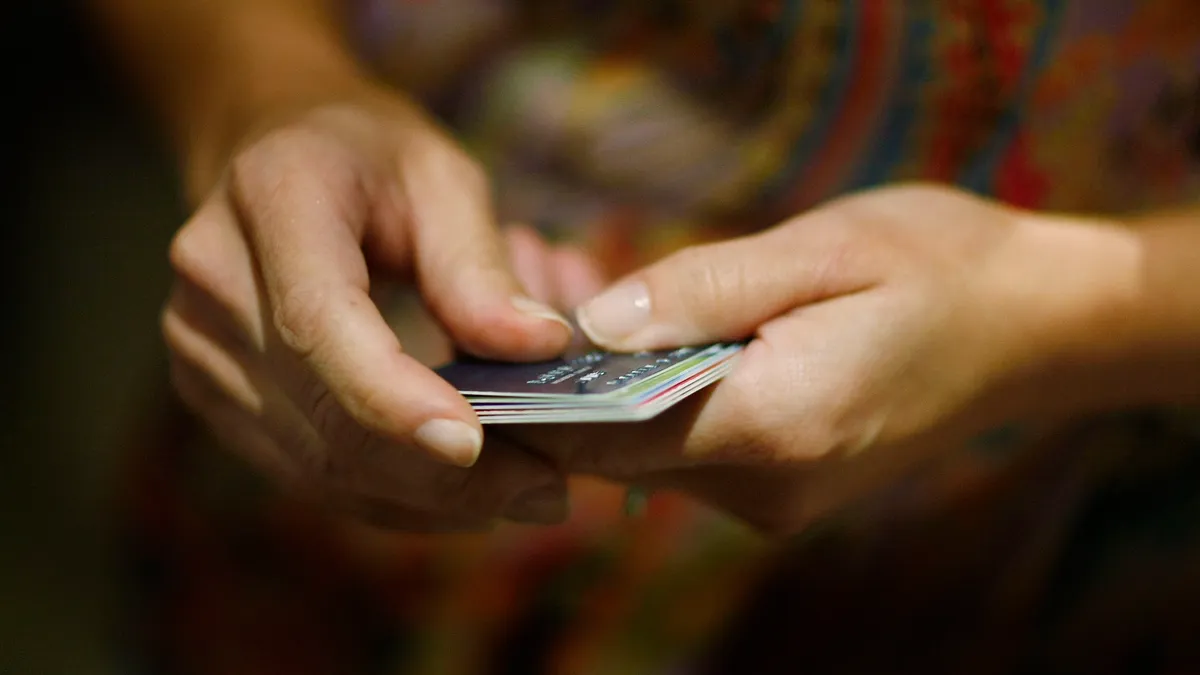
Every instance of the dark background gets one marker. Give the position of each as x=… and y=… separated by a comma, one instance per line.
x=90, y=202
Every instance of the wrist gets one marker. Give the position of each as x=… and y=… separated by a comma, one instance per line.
x=1093, y=341
x=263, y=64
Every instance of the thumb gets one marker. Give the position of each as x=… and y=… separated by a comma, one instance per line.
x=721, y=291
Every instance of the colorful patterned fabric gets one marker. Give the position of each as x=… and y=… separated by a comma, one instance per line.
x=668, y=118
x=637, y=127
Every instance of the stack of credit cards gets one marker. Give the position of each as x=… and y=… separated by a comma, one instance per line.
x=596, y=386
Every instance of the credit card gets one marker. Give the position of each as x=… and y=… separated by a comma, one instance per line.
x=595, y=386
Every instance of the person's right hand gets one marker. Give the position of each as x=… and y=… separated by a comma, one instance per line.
x=277, y=345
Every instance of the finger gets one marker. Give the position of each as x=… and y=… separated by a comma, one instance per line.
x=306, y=231
x=576, y=276
x=530, y=260
x=218, y=385
x=507, y=481
x=233, y=427
x=463, y=267
x=725, y=291
x=204, y=342
x=241, y=433
x=210, y=254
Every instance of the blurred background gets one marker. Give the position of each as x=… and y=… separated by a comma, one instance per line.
x=91, y=207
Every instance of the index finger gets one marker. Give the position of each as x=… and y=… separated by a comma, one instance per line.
x=304, y=221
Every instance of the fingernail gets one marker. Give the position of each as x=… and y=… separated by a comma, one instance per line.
x=531, y=307
x=454, y=440
x=546, y=505
x=616, y=313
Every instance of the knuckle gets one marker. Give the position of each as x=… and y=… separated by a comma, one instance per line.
x=764, y=429
x=269, y=165
x=849, y=243
x=450, y=163
x=807, y=418
x=255, y=176
x=311, y=458
x=248, y=167
x=274, y=148
x=704, y=287
x=301, y=162
x=296, y=318
x=825, y=435
x=324, y=412
x=347, y=447
x=752, y=434
x=368, y=408
x=830, y=272
x=326, y=415
x=186, y=255
x=473, y=176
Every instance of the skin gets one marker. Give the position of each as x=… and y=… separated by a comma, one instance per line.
x=887, y=326
x=312, y=185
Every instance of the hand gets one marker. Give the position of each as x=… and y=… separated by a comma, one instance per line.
x=886, y=326
x=561, y=276
x=276, y=343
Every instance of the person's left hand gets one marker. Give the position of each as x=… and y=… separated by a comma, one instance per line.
x=886, y=326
